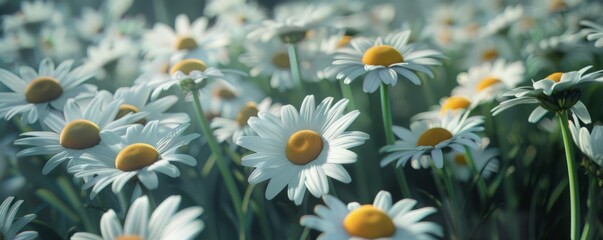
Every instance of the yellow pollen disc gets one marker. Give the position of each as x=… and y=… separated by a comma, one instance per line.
x=80, y=134
x=489, y=55
x=448, y=21
x=455, y=103
x=557, y=5
x=281, y=60
x=303, y=147
x=460, y=159
x=186, y=66
x=383, y=55
x=472, y=28
x=129, y=237
x=555, y=77
x=369, y=222
x=43, y=89
x=185, y=43
x=250, y=110
x=433, y=136
x=127, y=108
x=344, y=41
x=136, y=156
x=224, y=93
x=486, y=83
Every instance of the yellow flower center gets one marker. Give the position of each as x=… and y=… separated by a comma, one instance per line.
x=455, y=103
x=369, y=222
x=489, y=55
x=80, y=134
x=185, y=43
x=136, y=156
x=124, y=109
x=129, y=237
x=433, y=136
x=224, y=93
x=555, y=77
x=460, y=159
x=186, y=66
x=383, y=55
x=303, y=147
x=281, y=60
x=344, y=41
x=486, y=83
x=557, y=5
x=250, y=110
x=43, y=89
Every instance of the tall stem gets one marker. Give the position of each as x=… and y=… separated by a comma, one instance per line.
x=235, y=197
x=481, y=185
x=572, y=176
x=294, y=63
x=593, y=208
x=389, y=136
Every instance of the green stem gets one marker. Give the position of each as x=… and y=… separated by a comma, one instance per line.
x=572, y=176
x=235, y=197
x=294, y=64
x=160, y=11
x=454, y=206
x=593, y=209
x=481, y=185
x=389, y=136
x=346, y=90
x=305, y=234
x=147, y=192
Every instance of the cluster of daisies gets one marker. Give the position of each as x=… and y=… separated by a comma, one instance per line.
x=112, y=102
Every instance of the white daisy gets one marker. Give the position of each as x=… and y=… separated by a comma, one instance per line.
x=77, y=133
x=431, y=138
x=164, y=222
x=449, y=105
x=143, y=151
x=195, y=38
x=114, y=56
x=501, y=23
x=59, y=43
x=489, y=80
x=226, y=97
x=301, y=149
x=380, y=220
x=270, y=59
x=557, y=92
x=187, y=69
x=230, y=130
x=383, y=60
x=31, y=15
x=485, y=160
x=593, y=32
x=35, y=93
x=587, y=142
x=9, y=228
x=560, y=50
x=136, y=99
x=154, y=72
x=90, y=24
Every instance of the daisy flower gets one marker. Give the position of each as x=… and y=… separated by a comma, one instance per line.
x=557, y=92
x=136, y=99
x=32, y=15
x=140, y=154
x=226, y=97
x=501, y=23
x=113, y=54
x=230, y=130
x=383, y=59
x=489, y=80
x=431, y=138
x=484, y=159
x=187, y=69
x=587, y=142
x=593, y=32
x=301, y=149
x=449, y=105
x=165, y=222
x=77, y=133
x=35, y=93
x=380, y=220
x=9, y=229
x=193, y=39
x=270, y=59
